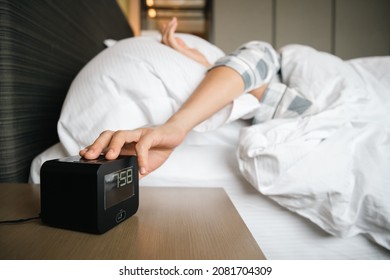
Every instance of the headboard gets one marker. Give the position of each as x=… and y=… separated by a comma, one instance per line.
x=43, y=45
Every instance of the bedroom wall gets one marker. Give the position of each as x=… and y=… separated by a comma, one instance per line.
x=236, y=22
x=347, y=28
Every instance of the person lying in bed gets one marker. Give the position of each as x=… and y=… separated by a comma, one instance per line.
x=251, y=68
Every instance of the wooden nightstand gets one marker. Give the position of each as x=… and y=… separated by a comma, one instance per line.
x=171, y=223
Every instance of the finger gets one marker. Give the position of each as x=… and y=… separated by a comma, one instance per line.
x=93, y=151
x=162, y=27
x=120, y=143
x=83, y=151
x=168, y=36
x=142, y=148
x=165, y=32
x=86, y=149
x=171, y=34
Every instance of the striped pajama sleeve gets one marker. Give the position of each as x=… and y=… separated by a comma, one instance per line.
x=258, y=63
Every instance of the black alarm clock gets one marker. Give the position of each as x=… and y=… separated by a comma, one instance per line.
x=89, y=195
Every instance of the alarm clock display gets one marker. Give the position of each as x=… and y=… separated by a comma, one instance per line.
x=118, y=186
x=89, y=195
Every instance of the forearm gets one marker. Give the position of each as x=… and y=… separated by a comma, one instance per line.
x=249, y=69
x=220, y=87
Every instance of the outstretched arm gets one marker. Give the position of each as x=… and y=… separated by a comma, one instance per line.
x=153, y=146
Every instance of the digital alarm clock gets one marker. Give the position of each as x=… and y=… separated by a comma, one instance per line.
x=89, y=195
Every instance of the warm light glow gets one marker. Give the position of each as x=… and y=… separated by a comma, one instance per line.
x=152, y=13
x=149, y=3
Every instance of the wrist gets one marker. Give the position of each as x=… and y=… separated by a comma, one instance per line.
x=180, y=123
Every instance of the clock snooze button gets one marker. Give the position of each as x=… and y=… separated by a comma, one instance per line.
x=120, y=216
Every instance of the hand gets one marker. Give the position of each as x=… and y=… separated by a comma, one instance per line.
x=169, y=39
x=152, y=146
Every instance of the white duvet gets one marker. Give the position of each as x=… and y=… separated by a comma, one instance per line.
x=331, y=167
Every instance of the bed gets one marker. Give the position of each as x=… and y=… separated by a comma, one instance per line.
x=63, y=86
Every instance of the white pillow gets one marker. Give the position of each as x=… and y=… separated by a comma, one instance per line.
x=136, y=82
x=211, y=51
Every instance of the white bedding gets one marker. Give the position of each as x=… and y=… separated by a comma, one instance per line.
x=296, y=183
x=331, y=167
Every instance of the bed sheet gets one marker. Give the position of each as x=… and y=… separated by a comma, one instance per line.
x=209, y=160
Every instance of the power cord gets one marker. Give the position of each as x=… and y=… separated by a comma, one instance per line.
x=20, y=220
